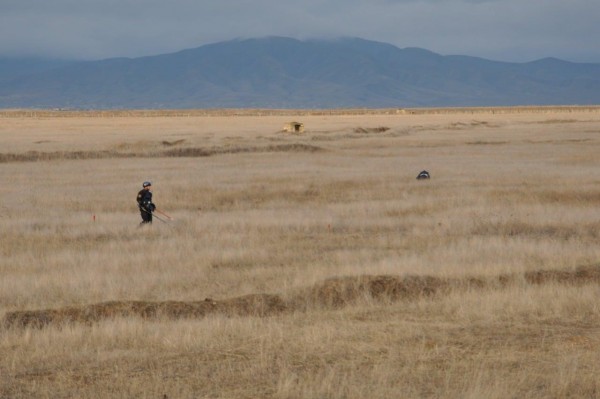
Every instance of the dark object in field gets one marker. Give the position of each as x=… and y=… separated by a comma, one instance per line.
x=423, y=175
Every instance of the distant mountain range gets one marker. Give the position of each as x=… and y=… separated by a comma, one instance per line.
x=279, y=72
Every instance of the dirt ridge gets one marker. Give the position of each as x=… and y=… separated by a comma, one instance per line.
x=331, y=293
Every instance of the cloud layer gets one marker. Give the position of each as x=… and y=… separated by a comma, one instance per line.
x=508, y=30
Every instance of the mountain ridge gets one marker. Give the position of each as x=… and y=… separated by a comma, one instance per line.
x=280, y=72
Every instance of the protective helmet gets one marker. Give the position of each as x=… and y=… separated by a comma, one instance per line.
x=146, y=184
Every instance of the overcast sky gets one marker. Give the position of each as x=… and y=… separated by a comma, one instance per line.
x=504, y=30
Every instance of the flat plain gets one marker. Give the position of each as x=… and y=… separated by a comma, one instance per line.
x=301, y=264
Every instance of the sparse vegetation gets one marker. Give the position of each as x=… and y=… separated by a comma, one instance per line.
x=301, y=270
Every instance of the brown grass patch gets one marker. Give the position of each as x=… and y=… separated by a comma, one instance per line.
x=367, y=130
x=249, y=305
x=581, y=275
x=524, y=229
x=191, y=152
x=483, y=142
x=468, y=125
x=341, y=291
x=172, y=143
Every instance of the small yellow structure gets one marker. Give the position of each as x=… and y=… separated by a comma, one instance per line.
x=295, y=127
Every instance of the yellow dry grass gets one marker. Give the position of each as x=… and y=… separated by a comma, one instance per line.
x=304, y=265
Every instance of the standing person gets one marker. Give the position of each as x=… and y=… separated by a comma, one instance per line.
x=144, y=200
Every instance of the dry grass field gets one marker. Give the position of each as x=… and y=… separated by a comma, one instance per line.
x=301, y=265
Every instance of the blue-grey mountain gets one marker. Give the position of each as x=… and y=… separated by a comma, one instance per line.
x=279, y=72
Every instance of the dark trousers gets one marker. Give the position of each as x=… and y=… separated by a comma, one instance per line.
x=146, y=216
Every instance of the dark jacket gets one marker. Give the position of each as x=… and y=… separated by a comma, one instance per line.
x=144, y=200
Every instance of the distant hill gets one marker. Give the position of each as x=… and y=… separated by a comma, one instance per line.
x=11, y=68
x=278, y=72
